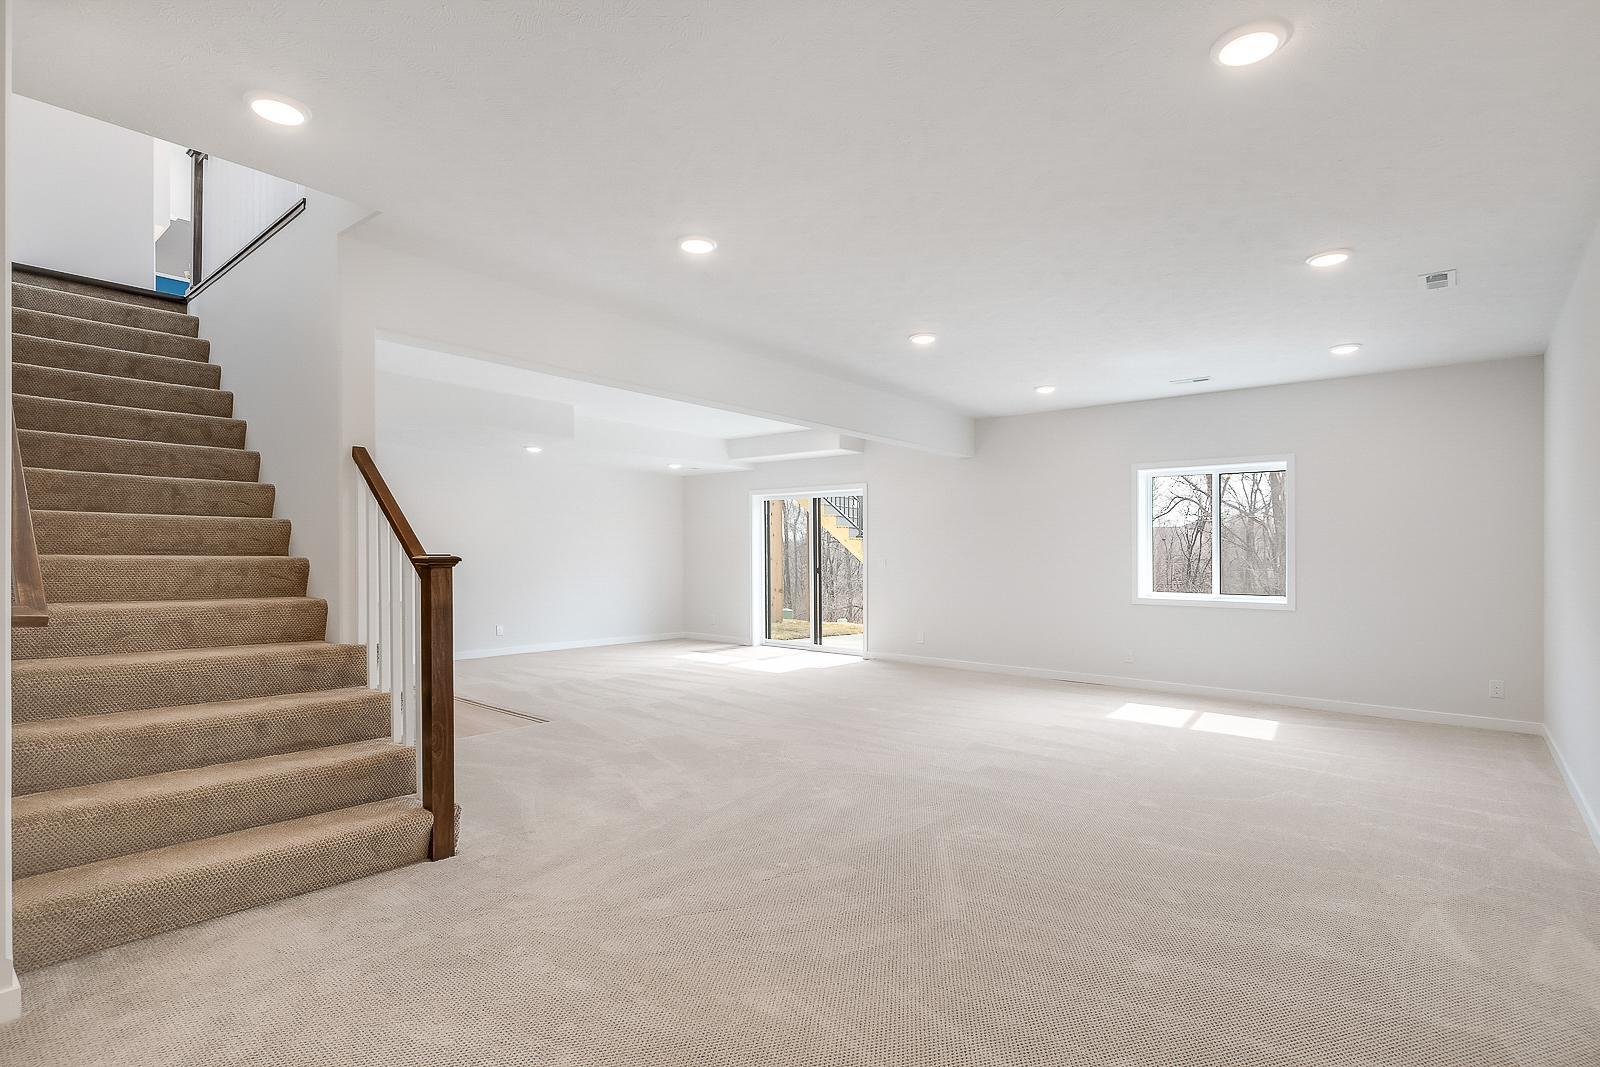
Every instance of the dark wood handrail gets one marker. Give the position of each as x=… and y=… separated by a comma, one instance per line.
x=437, y=660
x=28, y=604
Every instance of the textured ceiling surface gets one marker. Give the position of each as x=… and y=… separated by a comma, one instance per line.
x=1064, y=193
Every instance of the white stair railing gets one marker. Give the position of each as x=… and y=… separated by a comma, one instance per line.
x=405, y=619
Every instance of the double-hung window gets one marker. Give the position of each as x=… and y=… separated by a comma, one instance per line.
x=1216, y=533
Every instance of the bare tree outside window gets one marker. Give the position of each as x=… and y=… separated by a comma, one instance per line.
x=1254, y=537
x=1180, y=533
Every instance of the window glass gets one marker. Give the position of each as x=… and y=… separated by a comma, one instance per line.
x=1180, y=533
x=1253, y=534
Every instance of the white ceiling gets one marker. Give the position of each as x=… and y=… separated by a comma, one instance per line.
x=1068, y=193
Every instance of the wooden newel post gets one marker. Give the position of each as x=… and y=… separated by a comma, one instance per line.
x=438, y=700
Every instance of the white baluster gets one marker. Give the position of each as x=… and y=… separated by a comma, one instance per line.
x=396, y=657
x=376, y=530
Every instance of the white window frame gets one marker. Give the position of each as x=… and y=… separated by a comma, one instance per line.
x=1143, y=473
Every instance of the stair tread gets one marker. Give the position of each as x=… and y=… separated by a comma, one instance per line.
x=169, y=421
x=79, y=627
x=87, y=823
x=64, y=913
x=172, y=782
x=97, y=532
x=44, y=483
x=115, y=577
x=21, y=274
x=129, y=441
x=48, y=382
x=82, y=749
x=74, y=355
x=57, y=450
x=121, y=720
x=90, y=878
x=63, y=664
x=108, y=334
x=100, y=309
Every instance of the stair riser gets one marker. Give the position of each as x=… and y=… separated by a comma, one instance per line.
x=110, y=456
x=74, y=533
x=80, y=306
x=58, y=916
x=90, y=491
x=96, y=579
x=48, y=835
x=45, y=352
x=128, y=424
x=106, y=335
x=63, y=753
x=105, y=629
x=100, y=292
x=30, y=380
x=52, y=692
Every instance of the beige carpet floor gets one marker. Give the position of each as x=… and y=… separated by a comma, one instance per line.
x=761, y=857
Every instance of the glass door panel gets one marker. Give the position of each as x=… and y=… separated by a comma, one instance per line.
x=790, y=572
x=842, y=570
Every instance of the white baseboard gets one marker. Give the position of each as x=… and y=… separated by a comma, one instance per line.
x=10, y=993
x=1591, y=818
x=560, y=646
x=720, y=639
x=1345, y=707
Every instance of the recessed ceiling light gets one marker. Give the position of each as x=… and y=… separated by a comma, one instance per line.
x=279, y=110
x=533, y=448
x=1044, y=390
x=698, y=246
x=1250, y=43
x=674, y=466
x=1347, y=349
x=922, y=338
x=1331, y=258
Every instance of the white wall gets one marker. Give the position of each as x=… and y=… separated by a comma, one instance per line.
x=1572, y=538
x=557, y=549
x=239, y=204
x=81, y=191
x=274, y=325
x=10, y=992
x=718, y=541
x=1418, y=497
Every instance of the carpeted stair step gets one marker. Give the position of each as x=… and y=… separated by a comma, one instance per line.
x=103, y=579
x=159, y=625
x=85, y=749
x=99, y=309
x=108, y=335
x=78, y=452
x=45, y=352
x=95, y=685
x=89, y=823
x=21, y=275
x=75, y=911
x=88, y=533
x=125, y=423
x=61, y=384
x=146, y=494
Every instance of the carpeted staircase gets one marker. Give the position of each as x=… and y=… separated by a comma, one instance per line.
x=186, y=743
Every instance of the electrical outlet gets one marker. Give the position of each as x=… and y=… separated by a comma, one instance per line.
x=499, y=631
x=1497, y=689
x=919, y=637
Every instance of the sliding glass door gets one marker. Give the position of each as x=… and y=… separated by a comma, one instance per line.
x=815, y=567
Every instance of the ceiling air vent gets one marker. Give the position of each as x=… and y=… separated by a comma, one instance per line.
x=1439, y=279
x=1190, y=381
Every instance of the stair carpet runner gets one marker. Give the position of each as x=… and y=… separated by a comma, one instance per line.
x=186, y=743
